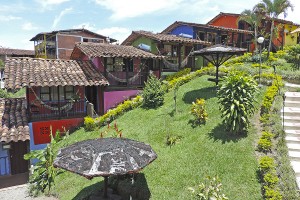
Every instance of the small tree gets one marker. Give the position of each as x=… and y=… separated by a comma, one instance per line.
x=153, y=93
x=236, y=98
x=199, y=112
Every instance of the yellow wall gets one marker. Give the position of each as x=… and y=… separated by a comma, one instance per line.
x=290, y=39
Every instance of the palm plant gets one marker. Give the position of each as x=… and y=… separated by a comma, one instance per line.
x=253, y=18
x=273, y=9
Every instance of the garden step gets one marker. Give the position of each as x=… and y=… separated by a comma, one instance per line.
x=292, y=104
x=292, y=132
x=298, y=181
x=292, y=95
x=291, y=125
x=292, y=139
x=293, y=146
x=294, y=155
x=290, y=111
x=291, y=85
x=295, y=119
x=296, y=167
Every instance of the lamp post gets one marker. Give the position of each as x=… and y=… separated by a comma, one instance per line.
x=260, y=40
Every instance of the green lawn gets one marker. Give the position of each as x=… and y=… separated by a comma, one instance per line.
x=204, y=150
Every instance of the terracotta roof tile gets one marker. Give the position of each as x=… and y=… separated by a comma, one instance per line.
x=28, y=72
x=16, y=52
x=93, y=50
x=162, y=38
x=14, y=123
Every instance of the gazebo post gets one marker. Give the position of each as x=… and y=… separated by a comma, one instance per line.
x=105, y=186
x=217, y=74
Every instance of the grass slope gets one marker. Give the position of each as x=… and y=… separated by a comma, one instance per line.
x=203, y=150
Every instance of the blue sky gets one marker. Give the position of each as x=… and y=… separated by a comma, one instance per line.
x=20, y=20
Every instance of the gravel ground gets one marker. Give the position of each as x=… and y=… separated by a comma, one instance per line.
x=19, y=193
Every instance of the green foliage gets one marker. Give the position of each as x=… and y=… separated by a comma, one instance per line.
x=44, y=172
x=265, y=118
x=264, y=145
x=293, y=56
x=173, y=139
x=89, y=123
x=236, y=101
x=210, y=189
x=199, y=112
x=266, y=164
x=153, y=93
x=247, y=57
x=272, y=193
x=181, y=73
x=3, y=93
x=271, y=178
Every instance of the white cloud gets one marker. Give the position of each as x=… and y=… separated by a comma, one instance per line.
x=118, y=33
x=46, y=3
x=88, y=26
x=28, y=26
x=59, y=17
x=8, y=18
x=132, y=8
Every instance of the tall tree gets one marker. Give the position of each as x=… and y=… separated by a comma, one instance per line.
x=253, y=18
x=273, y=9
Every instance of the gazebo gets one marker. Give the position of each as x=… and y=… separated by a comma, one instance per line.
x=217, y=55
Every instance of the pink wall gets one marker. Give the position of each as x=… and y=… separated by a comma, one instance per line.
x=113, y=98
x=99, y=63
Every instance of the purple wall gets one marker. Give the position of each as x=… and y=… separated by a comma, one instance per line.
x=113, y=98
x=183, y=29
x=98, y=62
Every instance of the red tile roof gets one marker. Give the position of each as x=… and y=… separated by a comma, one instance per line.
x=14, y=123
x=161, y=37
x=28, y=72
x=16, y=52
x=93, y=50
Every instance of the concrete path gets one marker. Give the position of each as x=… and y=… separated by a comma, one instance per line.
x=19, y=192
x=291, y=113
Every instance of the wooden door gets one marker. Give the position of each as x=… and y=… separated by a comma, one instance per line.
x=91, y=95
x=17, y=163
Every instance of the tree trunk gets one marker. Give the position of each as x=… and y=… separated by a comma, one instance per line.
x=271, y=37
x=255, y=38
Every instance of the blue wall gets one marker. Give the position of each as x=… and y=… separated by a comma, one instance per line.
x=183, y=29
x=4, y=153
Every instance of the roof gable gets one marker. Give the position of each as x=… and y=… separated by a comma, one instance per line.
x=28, y=72
x=93, y=50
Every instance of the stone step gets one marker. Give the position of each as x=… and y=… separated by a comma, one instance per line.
x=293, y=146
x=296, y=167
x=294, y=119
x=293, y=133
x=288, y=103
x=291, y=111
x=291, y=126
x=292, y=139
x=292, y=94
x=298, y=181
x=294, y=155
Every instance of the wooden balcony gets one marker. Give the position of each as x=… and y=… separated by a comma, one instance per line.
x=57, y=110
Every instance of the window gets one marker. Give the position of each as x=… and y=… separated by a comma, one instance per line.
x=115, y=64
x=51, y=93
x=69, y=92
x=201, y=35
x=45, y=94
x=170, y=50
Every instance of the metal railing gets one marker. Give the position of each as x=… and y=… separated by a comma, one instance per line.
x=57, y=110
x=4, y=165
x=126, y=79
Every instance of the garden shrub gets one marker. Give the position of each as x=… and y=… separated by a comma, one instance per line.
x=153, y=93
x=210, y=189
x=271, y=178
x=266, y=164
x=181, y=73
x=267, y=135
x=236, y=101
x=272, y=193
x=173, y=139
x=199, y=112
x=264, y=145
x=89, y=124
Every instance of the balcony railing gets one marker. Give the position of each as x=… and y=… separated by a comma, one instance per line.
x=126, y=78
x=4, y=170
x=57, y=110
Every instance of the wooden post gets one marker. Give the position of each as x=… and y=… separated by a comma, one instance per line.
x=105, y=186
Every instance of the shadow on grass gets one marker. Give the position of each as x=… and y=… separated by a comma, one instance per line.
x=219, y=133
x=204, y=93
x=120, y=186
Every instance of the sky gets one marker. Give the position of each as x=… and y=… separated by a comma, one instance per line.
x=21, y=20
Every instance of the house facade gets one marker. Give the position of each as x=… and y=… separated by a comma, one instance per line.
x=214, y=34
x=230, y=20
x=60, y=44
x=175, y=49
x=126, y=69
